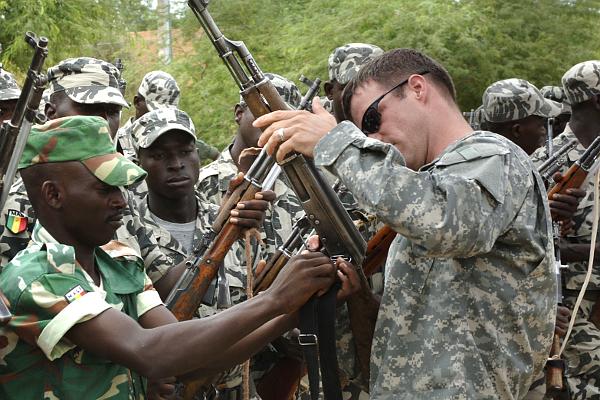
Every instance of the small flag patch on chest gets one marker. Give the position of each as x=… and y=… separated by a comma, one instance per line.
x=16, y=221
x=75, y=293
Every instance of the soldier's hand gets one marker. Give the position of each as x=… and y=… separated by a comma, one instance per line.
x=301, y=130
x=348, y=276
x=304, y=275
x=564, y=206
x=251, y=213
x=562, y=320
x=161, y=389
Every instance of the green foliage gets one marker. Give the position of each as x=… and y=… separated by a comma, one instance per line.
x=479, y=41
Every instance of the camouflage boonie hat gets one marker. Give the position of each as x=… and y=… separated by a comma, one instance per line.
x=9, y=90
x=80, y=138
x=556, y=93
x=146, y=129
x=45, y=99
x=515, y=99
x=286, y=88
x=87, y=80
x=345, y=61
x=160, y=90
x=582, y=81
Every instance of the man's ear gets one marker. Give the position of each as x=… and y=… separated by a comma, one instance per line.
x=238, y=112
x=50, y=110
x=52, y=194
x=328, y=86
x=515, y=130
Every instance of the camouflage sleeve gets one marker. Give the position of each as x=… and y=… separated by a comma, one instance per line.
x=16, y=223
x=51, y=305
x=148, y=298
x=456, y=209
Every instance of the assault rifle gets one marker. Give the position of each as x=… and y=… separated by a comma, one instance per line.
x=549, y=167
x=14, y=133
x=324, y=210
x=122, y=81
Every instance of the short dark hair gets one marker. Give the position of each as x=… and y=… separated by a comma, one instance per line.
x=393, y=66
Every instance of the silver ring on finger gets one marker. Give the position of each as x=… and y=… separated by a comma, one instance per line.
x=281, y=134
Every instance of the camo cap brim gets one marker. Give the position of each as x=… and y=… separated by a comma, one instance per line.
x=345, y=61
x=582, y=82
x=515, y=99
x=9, y=89
x=87, y=81
x=152, y=125
x=80, y=138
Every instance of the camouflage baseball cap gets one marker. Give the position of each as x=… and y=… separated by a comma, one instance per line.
x=80, y=138
x=159, y=89
x=146, y=129
x=9, y=90
x=556, y=93
x=286, y=88
x=345, y=61
x=87, y=80
x=514, y=99
x=582, y=81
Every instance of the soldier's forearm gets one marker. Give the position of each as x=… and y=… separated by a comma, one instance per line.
x=577, y=252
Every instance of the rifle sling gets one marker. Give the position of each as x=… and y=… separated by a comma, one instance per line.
x=317, y=338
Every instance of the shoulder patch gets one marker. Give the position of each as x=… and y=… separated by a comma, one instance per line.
x=75, y=293
x=16, y=221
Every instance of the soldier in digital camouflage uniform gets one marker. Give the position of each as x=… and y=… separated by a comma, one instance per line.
x=80, y=86
x=469, y=302
x=581, y=85
x=516, y=109
x=169, y=134
x=9, y=94
x=75, y=307
x=556, y=93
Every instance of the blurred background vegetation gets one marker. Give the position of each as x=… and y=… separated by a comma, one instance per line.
x=479, y=41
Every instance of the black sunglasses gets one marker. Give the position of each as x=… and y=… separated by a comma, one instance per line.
x=371, y=120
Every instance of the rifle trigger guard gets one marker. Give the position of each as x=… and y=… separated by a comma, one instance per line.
x=306, y=339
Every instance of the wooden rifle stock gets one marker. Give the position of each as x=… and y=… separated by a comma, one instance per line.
x=555, y=367
x=377, y=250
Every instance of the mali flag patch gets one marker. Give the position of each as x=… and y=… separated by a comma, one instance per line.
x=75, y=293
x=16, y=221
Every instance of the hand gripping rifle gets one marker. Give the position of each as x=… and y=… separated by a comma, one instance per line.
x=14, y=133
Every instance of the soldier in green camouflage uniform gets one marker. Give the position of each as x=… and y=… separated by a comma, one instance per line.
x=81, y=85
x=516, y=109
x=76, y=308
x=581, y=84
x=9, y=94
x=469, y=302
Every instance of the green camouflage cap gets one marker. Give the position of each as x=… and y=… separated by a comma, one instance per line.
x=556, y=93
x=286, y=88
x=515, y=99
x=87, y=80
x=160, y=90
x=146, y=129
x=582, y=81
x=80, y=138
x=9, y=90
x=345, y=61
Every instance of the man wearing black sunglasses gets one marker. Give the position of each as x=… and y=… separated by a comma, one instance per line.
x=468, y=308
